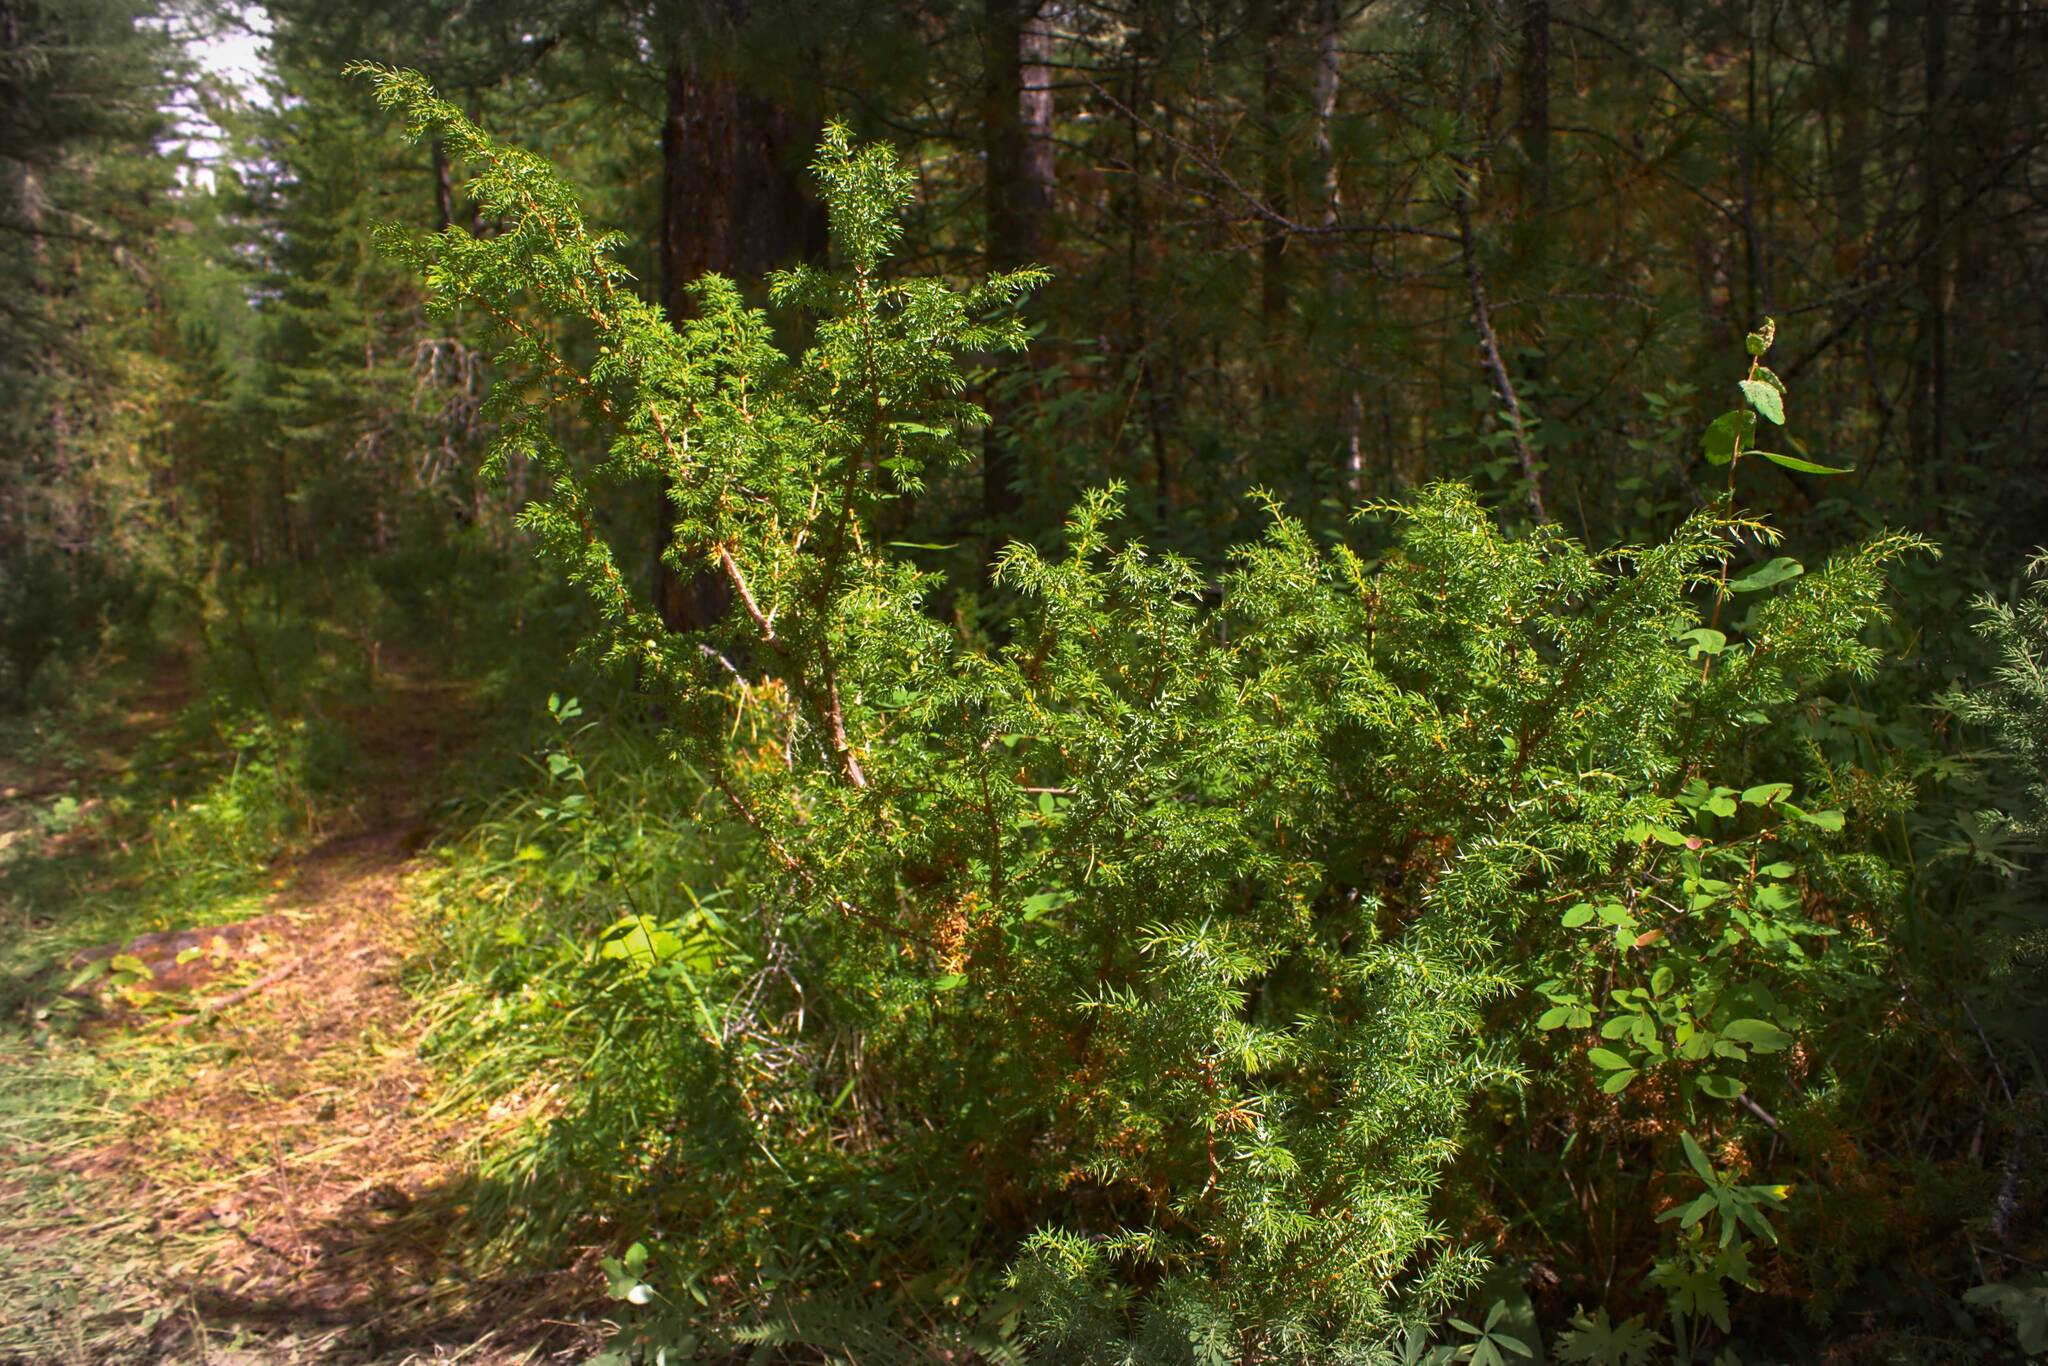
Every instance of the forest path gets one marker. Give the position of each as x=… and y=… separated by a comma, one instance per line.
x=249, y=1163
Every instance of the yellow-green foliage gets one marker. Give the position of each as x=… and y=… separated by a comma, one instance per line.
x=1152, y=953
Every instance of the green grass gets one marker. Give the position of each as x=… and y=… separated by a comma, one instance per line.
x=533, y=998
x=78, y=1257
x=181, y=836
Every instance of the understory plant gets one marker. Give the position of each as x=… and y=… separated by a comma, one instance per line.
x=1154, y=954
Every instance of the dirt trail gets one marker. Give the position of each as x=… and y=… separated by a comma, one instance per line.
x=286, y=1189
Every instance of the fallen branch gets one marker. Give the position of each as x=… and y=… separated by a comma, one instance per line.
x=234, y=998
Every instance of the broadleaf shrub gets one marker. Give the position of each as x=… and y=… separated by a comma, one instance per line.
x=1156, y=952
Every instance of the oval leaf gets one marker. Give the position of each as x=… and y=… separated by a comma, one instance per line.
x=1765, y=400
x=1761, y=1035
x=1767, y=575
x=1720, y=1087
x=1718, y=444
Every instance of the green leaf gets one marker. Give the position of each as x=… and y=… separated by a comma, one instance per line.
x=1554, y=1018
x=1607, y=1059
x=1763, y=794
x=1618, y=1081
x=2023, y=1302
x=1705, y=641
x=1718, y=444
x=1776, y=896
x=1764, y=399
x=1720, y=1087
x=1825, y=820
x=1761, y=1035
x=1660, y=980
x=952, y=981
x=1690, y=1213
x=1767, y=575
x=1043, y=903
x=1697, y=1157
x=1793, y=462
x=641, y=941
x=1578, y=915
x=1599, y=1341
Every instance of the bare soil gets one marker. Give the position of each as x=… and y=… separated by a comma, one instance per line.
x=279, y=1183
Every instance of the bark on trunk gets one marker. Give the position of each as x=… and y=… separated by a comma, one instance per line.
x=1934, y=271
x=444, y=187
x=1329, y=20
x=1490, y=356
x=737, y=201
x=1017, y=120
x=1271, y=22
x=1533, y=131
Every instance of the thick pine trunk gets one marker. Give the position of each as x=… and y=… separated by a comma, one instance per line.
x=1533, y=132
x=1271, y=25
x=1329, y=21
x=1017, y=118
x=1931, y=417
x=737, y=201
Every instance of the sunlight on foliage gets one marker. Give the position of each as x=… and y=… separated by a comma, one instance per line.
x=1153, y=950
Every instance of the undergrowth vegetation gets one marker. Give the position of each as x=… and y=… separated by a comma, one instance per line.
x=1197, y=967
x=193, y=751
x=1216, y=708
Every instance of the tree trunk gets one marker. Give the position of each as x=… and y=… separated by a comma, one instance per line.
x=1272, y=21
x=736, y=201
x=1491, y=357
x=1017, y=119
x=1329, y=20
x=444, y=187
x=1935, y=150
x=1533, y=132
